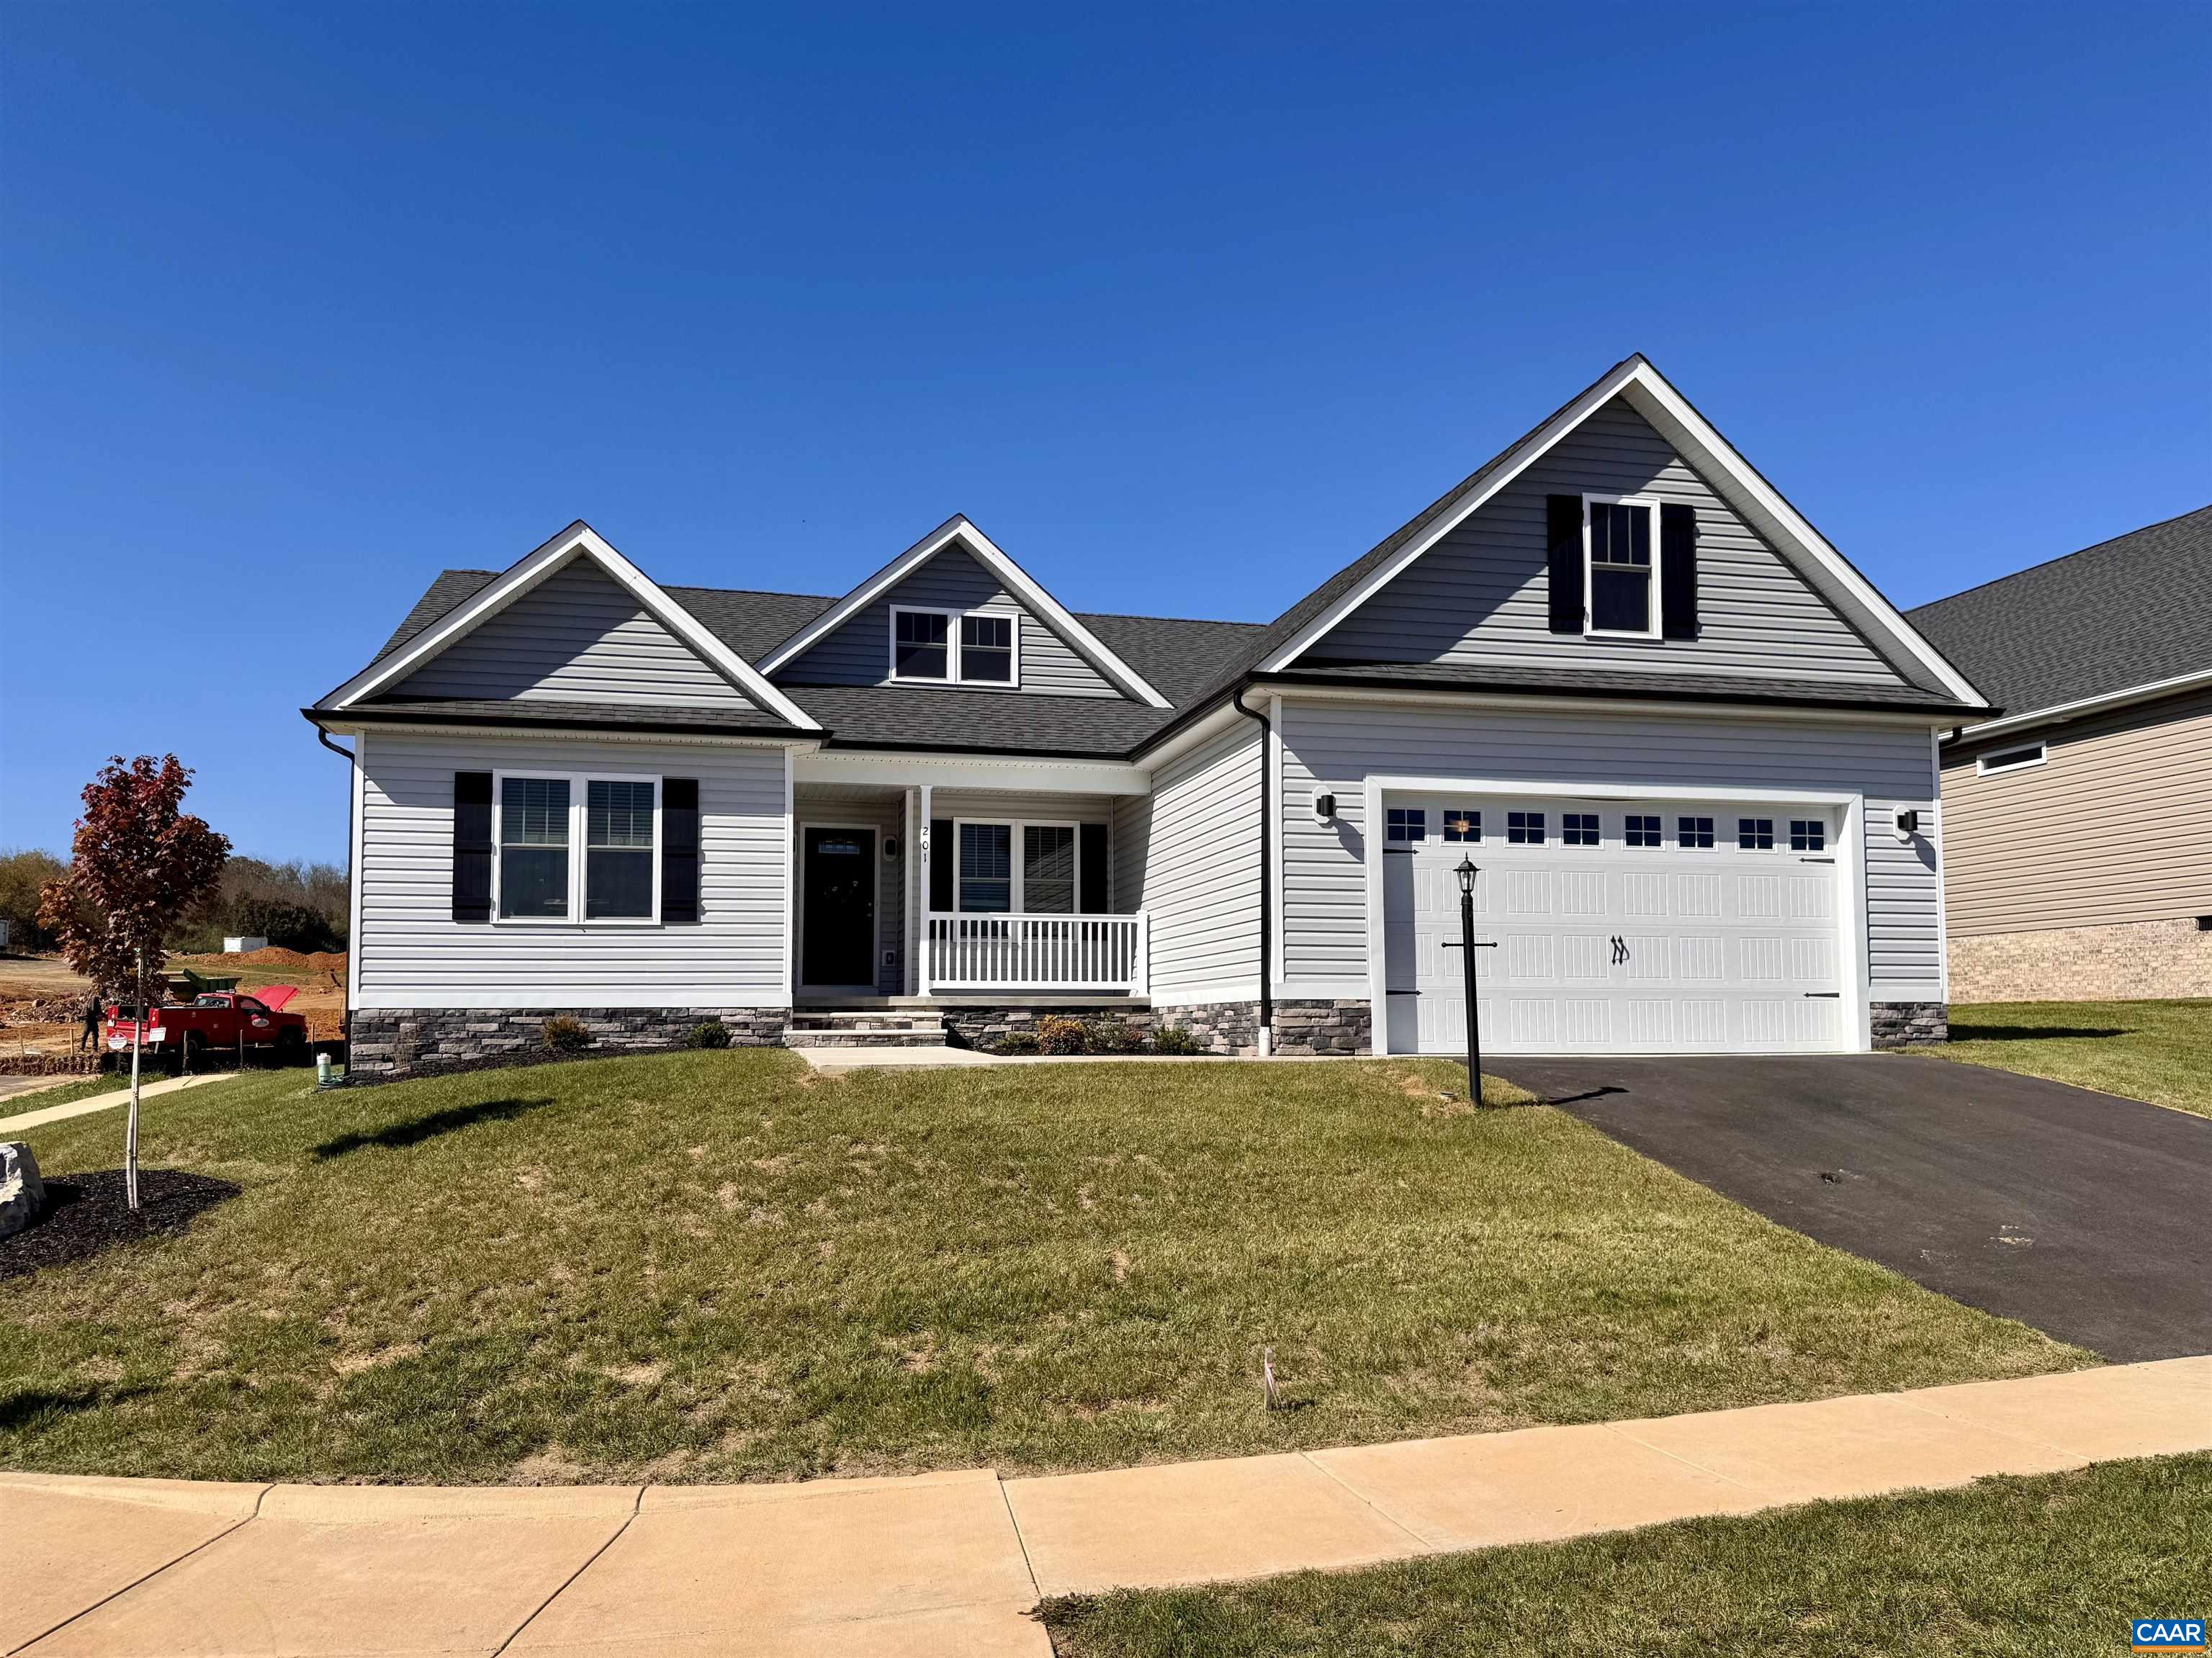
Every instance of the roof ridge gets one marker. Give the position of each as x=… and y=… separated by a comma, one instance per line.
x=2060, y=558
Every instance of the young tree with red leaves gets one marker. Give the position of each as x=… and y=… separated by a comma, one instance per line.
x=137, y=863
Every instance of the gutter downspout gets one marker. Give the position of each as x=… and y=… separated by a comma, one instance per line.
x=1267, y=863
x=353, y=876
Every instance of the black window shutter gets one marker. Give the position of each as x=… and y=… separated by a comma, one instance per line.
x=1092, y=847
x=944, y=863
x=1563, y=534
x=679, y=850
x=1677, y=570
x=472, y=845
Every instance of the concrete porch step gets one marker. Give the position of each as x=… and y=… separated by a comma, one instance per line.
x=864, y=1038
x=868, y=1028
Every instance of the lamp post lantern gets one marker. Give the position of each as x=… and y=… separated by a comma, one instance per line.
x=1467, y=872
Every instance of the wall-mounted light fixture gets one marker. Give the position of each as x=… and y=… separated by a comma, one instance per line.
x=1324, y=806
x=1907, y=823
x=890, y=848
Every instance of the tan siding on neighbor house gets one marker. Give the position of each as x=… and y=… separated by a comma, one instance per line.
x=2115, y=826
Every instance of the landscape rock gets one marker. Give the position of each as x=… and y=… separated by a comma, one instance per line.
x=21, y=1192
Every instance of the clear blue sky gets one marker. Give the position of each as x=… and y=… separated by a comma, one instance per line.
x=304, y=303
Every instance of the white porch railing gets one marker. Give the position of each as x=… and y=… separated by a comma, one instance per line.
x=1036, y=952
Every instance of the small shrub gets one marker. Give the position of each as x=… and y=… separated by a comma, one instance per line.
x=1018, y=1042
x=708, y=1033
x=1174, y=1039
x=1058, y=1034
x=1114, y=1035
x=563, y=1035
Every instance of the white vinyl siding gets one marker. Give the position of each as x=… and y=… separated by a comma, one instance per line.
x=1337, y=745
x=576, y=637
x=1480, y=595
x=859, y=653
x=1193, y=848
x=408, y=952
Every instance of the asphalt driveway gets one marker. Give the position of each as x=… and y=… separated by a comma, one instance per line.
x=2081, y=1214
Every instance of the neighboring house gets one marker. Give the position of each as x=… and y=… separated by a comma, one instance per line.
x=2078, y=822
x=1690, y=748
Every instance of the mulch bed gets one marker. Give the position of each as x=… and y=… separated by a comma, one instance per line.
x=86, y=1215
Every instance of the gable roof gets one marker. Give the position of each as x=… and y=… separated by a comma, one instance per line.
x=2128, y=613
x=402, y=657
x=958, y=529
x=1634, y=381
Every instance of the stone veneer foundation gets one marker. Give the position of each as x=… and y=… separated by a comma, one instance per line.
x=2151, y=960
x=1301, y=1027
x=1902, y=1025
x=390, y=1044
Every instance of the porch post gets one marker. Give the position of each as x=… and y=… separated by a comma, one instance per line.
x=921, y=940
x=907, y=916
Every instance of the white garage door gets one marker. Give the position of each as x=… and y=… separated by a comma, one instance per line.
x=1653, y=927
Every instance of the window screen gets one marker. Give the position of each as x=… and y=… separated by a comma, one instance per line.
x=919, y=649
x=987, y=882
x=617, y=849
x=533, y=848
x=1048, y=868
x=987, y=649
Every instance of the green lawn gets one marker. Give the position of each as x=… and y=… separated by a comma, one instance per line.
x=2155, y=1051
x=722, y=1266
x=2010, y=1568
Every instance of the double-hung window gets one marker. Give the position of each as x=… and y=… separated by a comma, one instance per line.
x=1019, y=868
x=543, y=821
x=952, y=647
x=987, y=867
x=1620, y=539
x=533, y=848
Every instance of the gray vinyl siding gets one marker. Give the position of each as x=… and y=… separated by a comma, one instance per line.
x=859, y=653
x=409, y=951
x=1190, y=853
x=886, y=815
x=1338, y=746
x=576, y=637
x=1481, y=595
x=2115, y=826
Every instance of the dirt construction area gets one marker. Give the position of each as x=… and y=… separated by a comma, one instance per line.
x=42, y=1000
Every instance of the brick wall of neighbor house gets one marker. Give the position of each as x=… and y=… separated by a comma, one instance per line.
x=1900, y=1025
x=389, y=1044
x=2153, y=960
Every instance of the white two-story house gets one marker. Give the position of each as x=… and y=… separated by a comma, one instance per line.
x=1688, y=750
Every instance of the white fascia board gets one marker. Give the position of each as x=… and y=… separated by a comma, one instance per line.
x=1017, y=580
x=1671, y=414
x=1516, y=462
x=1605, y=706
x=578, y=540
x=973, y=771
x=2059, y=711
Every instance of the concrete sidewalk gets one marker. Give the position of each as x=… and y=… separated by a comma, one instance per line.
x=953, y=1563
x=84, y=1108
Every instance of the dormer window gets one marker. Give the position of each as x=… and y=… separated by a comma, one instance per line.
x=1618, y=538
x=955, y=648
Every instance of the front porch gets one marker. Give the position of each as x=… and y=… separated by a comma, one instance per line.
x=922, y=897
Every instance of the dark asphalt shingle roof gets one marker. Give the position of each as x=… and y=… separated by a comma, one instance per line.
x=1000, y=722
x=2125, y=612
x=1600, y=682
x=547, y=711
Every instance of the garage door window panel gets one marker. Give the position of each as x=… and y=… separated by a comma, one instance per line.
x=1406, y=826
x=1578, y=829
x=1807, y=835
x=1754, y=833
x=1693, y=833
x=1524, y=829
x=1643, y=830
x=1463, y=828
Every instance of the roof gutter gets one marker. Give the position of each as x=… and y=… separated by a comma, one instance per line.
x=2059, y=711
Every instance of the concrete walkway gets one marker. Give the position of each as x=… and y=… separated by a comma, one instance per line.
x=953, y=1563
x=85, y=1108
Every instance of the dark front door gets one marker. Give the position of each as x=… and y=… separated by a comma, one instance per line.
x=837, y=946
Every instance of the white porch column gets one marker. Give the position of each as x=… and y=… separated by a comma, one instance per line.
x=920, y=950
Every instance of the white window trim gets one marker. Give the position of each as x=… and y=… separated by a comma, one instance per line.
x=1590, y=630
x=1597, y=845
x=1778, y=835
x=1984, y=768
x=579, y=783
x=1016, y=896
x=953, y=674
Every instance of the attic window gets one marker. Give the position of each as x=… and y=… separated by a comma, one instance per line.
x=2017, y=759
x=1618, y=538
x=955, y=648
x=921, y=645
x=987, y=649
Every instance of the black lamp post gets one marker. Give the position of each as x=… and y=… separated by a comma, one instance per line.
x=1467, y=873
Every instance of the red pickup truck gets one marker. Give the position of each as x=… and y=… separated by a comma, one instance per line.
x=217, y=1019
